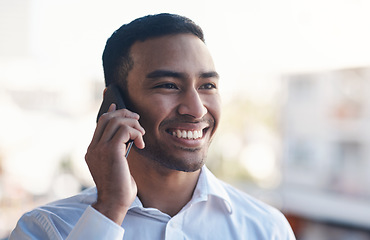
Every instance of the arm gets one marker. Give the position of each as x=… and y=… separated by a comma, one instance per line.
x=106, y=160
x=40, y=224
x=94, y=225
x=115, y=187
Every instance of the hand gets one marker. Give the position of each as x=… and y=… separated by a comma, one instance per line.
x=108, y=166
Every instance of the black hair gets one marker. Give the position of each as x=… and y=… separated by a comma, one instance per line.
x=116, y=56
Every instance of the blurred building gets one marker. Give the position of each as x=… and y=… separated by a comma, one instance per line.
x=50, y=93
x=48, y=109
x=326, y=149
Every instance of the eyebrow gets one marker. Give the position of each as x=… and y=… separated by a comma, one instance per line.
x=212, y=74
x=165, y=73
x=179, y=75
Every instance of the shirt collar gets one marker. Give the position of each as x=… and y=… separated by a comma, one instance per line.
x=208, y=186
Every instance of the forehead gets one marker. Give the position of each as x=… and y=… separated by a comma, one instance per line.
x=180, y=52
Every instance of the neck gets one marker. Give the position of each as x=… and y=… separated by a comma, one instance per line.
x=164, y=189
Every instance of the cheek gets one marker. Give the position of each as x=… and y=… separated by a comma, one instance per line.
x=214, y=108
x=152, y=113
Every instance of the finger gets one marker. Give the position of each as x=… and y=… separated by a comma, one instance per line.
x=112, y=107
x=102, y=124
x=121, y=137
x=106, y=118
x=116, y=123
x=122, y=113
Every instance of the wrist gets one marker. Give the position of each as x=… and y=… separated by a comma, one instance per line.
x=114, y=212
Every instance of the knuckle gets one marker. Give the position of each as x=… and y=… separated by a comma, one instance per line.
x=114, y=120
x=123, y=112
x=104, y=117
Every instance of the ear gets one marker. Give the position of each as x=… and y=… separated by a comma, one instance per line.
x=105, y=90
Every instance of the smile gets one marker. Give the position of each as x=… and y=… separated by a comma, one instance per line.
x=194, y=134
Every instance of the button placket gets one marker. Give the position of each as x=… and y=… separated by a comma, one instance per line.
x=174, y=227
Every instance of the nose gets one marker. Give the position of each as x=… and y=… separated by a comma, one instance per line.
x=192, y=105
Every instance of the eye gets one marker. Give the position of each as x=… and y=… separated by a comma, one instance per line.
x=208, y=86
x=167, y=86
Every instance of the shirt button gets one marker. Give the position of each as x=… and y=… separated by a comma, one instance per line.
x=174, y=225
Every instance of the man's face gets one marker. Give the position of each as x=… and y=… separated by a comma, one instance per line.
x=173, y=86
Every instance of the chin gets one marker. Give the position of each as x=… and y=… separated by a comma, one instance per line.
x=183, y=168
x=190, y=162
x=186, y=167
x=184, y=164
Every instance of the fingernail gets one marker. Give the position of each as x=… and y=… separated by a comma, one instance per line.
x=112, y=107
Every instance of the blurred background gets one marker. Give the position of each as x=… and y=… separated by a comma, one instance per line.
x=295, y=83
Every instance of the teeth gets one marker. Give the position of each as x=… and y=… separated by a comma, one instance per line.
x=188, y=134
x=195, y=135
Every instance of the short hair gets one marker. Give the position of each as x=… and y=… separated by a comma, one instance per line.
x=117, y=61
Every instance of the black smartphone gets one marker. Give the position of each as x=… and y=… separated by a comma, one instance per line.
x=113, y=95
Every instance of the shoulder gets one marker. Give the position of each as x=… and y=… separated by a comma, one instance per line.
x=249, y=204
x=237, y=199
x=63, y=213
x=85, y=197
x=74, y=205
x=254, y=212
x=247, y=215
x=240, y=199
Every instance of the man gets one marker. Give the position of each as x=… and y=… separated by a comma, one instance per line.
x=162, y=190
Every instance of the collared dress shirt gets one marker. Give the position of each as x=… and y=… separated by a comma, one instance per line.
x=216, y=211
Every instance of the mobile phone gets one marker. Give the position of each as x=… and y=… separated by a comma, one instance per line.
x=113, y=95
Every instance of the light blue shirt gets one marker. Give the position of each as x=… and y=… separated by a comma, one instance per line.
x=216, y=211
